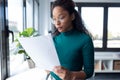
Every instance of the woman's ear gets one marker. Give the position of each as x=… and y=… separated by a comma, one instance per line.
x=73, y=16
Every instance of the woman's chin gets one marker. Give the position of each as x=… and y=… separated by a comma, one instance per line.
x=60, y=30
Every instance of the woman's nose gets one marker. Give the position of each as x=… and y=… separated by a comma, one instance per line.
x=57, y=22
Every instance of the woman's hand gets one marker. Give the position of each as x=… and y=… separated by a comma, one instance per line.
x=62, y=72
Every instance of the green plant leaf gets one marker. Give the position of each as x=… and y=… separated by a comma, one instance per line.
x=27, y=32
x=21, y=51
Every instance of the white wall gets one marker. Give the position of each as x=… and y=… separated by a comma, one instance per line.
x=44, y=13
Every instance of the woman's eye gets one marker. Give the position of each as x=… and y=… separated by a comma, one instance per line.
x=62, y=17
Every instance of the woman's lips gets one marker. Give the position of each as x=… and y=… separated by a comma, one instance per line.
x=59, y=28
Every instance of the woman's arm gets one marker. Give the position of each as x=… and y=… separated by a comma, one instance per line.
x=88, y=57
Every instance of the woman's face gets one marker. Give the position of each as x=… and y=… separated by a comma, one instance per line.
x=62, y=19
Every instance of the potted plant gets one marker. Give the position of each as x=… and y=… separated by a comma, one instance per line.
x=28, y=32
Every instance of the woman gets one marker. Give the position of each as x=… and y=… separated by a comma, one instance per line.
x=73, y=43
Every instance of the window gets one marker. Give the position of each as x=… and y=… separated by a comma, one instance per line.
x=36, y=15
x=21, y=14
x=15, y=19
x=94, y=26
x=32, y=14
x=113, y=27
x=102, y=20
x=29, y=13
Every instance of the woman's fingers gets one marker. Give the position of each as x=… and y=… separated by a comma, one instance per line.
x=60, y=71
x=47, y=71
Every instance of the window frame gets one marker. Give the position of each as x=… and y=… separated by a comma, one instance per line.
x=105, y=21
x=4, y=41
x=37, y=28
x=25, y=14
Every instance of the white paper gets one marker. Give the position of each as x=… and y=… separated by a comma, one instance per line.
x=42, y=51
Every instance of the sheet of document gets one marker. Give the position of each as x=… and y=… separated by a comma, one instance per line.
x=42, y=51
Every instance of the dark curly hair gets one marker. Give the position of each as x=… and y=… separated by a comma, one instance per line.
x=69, y=6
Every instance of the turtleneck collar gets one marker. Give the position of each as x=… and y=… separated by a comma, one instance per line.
x=68, y=32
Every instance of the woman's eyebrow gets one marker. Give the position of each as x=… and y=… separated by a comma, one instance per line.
x=58, y=16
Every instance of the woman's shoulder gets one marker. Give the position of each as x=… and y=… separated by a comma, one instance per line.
x=85, y=37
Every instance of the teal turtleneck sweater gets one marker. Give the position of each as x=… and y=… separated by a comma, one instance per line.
x=75, y=51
